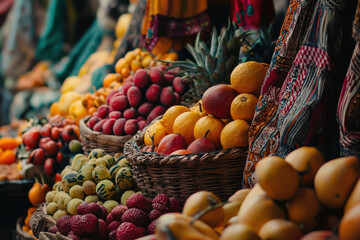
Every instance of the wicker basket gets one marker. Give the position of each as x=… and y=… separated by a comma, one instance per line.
x=182, y=175
x=20, y=233
x=111, y=144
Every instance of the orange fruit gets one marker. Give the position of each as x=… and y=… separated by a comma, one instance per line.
x=243, y=107
x=146, y=61
x=170, y=57
x=129, y=57
x=157, y=130
x=120, y=64
x=280, y=229
x=235, y=134
x=135, y=65
x=350, y=224
x=214, y=125
x=307, y=161
x=198, y=108
x=184, y=125
x=54, y=109
x=110, y=78
x=248, y=77
x=125, y=72
x=7, y=157
x=170, y=115
x=8, y=143
x=277, y=177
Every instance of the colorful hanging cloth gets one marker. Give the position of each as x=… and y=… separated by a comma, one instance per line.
x=167, y=20
x=250, y=13
x=263, y=128
x=349, y=103
x=303, y=110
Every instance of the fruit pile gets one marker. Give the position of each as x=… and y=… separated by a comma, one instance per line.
x=143, y=97
x=219, y=120
x=8, y=168
x=136, y=219
x=36, y=196
x=76, y=106
x=299, y=197
x=140, y=59
x=51, y=145
x=93, y=178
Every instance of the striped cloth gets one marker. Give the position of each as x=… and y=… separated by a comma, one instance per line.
x=349, y=103
x=298, y=105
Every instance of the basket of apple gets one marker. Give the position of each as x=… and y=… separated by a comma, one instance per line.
x=143, y=97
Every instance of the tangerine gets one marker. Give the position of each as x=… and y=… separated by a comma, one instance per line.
x=243, y=107
x=170, y=115
x=235, y=134
x=248, y=77
x=184, y=125
x=155, y=131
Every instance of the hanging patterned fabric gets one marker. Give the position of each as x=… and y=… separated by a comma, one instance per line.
x=169, y=24
x=249, y=13
x=263, y=128
x=309, y=94
x=349, y=103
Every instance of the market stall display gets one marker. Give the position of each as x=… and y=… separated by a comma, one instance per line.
x=176, y=122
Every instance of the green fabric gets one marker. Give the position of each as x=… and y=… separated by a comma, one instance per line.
x=87, y=45
x=98, y=76
x=50, y=45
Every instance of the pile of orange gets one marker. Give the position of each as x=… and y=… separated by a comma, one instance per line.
x=26, y=227
x=193, y=123
x=7, y=149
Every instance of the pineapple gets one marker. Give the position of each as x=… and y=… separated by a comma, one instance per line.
x=214, y=65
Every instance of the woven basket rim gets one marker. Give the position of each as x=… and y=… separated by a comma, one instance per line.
x=19, y=230
x=190, y=160
x=84, y=129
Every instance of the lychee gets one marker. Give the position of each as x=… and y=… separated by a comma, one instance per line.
x=84, y=225
x=128, y=231
x=139, y=201
x=157, y=76
x=119, y=103
x=130, y=113
x=152, y=94
x=118, y=211
x=151, y=228
x=107, y=127
x=141, y=78
x=103, y=111
x=155, y=214
x=102, y=229
x=119, y=126
x=162, y=199
x=53, y=229
x=174, y=205
x=114, y=225
x=92, y=121
x=136, y=216
x=160, y=207
x=63, y=224
x=134, y=96
x=115, y=114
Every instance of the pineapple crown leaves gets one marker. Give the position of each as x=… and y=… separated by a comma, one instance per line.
x=212, y=63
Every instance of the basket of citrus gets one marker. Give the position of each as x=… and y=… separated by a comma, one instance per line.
x=199, y=148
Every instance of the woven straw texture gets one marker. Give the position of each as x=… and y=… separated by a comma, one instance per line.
x=40, y=223
x=182, y=175
x=21, y=234
x=111, y=144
